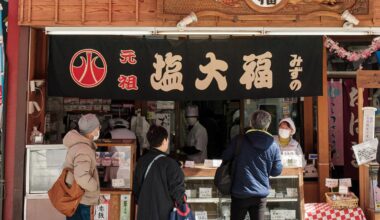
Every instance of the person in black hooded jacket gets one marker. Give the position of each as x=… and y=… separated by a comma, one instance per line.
x=259, y=158
x=163, y=184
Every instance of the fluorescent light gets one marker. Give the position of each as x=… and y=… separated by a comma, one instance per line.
x=209, y=33
x=98, y=31
x=206, y=31
x=317, y=31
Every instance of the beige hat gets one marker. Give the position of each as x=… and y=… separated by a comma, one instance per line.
x=88, y=123
x=291, y=123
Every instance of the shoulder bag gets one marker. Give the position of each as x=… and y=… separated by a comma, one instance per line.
x=225, y=173
x=64, y=198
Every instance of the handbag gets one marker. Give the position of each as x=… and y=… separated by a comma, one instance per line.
x=64, y=198
x=182, y=212
x=226, y=172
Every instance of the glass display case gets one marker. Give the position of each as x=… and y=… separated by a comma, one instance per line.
x=285, y=201
x=115, y=160
x=374, y=190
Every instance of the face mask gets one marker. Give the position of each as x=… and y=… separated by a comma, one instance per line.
x=96, y=137
x=284, y=133
x=192, y=121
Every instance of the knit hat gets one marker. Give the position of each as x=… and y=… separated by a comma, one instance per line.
x=291, y=123
x=88, y=123
x=192, y=111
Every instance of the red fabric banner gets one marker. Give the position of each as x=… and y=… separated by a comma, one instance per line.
x=351, y=126
x=336, y=135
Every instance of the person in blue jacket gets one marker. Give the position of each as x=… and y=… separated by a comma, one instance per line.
x=259, y=158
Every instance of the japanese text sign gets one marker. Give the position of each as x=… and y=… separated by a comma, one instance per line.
x=366, y=151
x=345, y=182
x=331, y=183
x=118, y=67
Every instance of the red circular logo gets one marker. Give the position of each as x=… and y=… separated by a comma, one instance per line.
x=88, y=68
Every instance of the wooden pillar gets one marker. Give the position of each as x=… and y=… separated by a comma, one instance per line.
x=363, y=171
x=308, y=128
x=323, y=137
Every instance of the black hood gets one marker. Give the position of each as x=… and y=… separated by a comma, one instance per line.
x=259, y=139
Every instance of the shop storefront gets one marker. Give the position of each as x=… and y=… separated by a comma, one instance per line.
x=118, y=76
x=155, y=77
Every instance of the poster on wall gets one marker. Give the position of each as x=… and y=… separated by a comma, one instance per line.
x=124, y=68
x=101, y=211
x=336, y=135
x=125, y=206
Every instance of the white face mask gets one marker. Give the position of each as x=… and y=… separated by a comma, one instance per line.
x=284, y=133
x=96, y=137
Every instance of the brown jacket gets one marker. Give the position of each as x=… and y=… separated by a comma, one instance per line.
x=81, y=158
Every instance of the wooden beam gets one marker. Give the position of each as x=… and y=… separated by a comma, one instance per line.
x=368, y=79
x=323, y=137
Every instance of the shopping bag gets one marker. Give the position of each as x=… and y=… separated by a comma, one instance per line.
x=64, y=198
x=182, y=212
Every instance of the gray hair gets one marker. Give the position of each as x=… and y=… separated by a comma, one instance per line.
x=261, y=120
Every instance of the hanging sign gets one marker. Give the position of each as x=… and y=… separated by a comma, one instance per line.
x=118, y=67
x=366, y=151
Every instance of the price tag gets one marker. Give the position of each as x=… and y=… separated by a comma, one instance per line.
x=343, y=190
x=208, y=163
x=313, y=156
x=291, y=192
x=188, y=193
x=289, y=152
x=118, y=183
x=366, y=151
x=345, y=182
x=205, y=192
x=216, y=163
x=280, y=214
x=272, y=193
x=279, y=195
x=331, y=183
x=201, y=215
x=189, y=163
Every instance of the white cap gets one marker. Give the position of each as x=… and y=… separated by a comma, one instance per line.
x=118, y=122
x=192, y=111
x=291, y=123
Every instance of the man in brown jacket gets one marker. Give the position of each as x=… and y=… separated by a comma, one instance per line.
x=81, y=159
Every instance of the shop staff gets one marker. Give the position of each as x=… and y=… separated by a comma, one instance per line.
x=197, y=138
x=119, y=129
x=286, y=129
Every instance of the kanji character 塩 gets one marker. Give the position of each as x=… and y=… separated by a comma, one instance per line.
x=171, y=79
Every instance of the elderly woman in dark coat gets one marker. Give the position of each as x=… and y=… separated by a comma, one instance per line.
x=163, y=184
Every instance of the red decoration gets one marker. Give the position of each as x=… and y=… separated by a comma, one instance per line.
x=128, y=82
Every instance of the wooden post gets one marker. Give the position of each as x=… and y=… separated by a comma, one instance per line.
x=308, y=129
x=323, y=137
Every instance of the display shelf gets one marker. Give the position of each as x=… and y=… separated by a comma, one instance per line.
x=290, y=181
x=228, y=200
x=203, y=200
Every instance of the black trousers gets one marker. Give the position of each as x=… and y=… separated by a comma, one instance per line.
x=255, y=206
